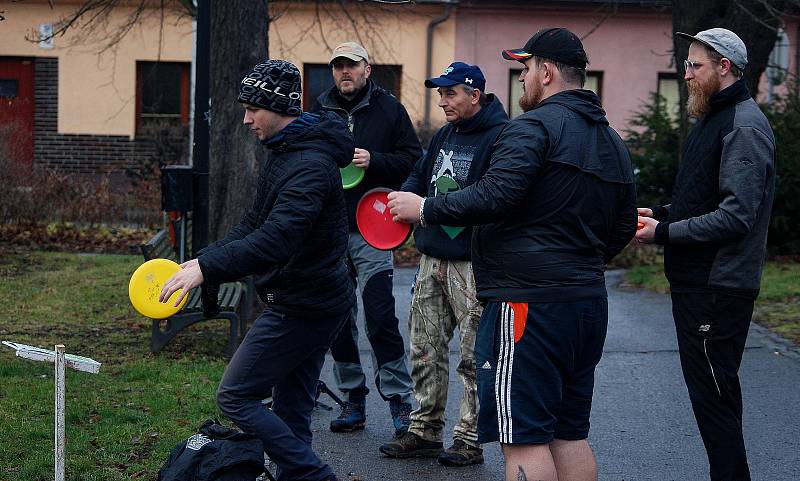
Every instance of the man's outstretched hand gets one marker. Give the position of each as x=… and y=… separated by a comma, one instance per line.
x=189, y=277
x=404, y=207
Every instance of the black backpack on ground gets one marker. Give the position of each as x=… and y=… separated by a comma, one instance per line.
x=215, y=453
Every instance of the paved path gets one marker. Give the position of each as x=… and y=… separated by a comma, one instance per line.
x=642, y=425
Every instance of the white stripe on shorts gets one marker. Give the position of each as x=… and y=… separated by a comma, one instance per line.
x=505, y=367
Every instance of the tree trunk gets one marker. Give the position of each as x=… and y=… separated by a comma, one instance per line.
x=239, y=40
x=751, y=20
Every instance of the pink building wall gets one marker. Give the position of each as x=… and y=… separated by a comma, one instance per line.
x=630, y=48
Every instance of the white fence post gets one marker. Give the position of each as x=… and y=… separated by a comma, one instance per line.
x=61, y=361
x=60, y=399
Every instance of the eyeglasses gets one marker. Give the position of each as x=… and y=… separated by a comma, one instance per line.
x=692, y=65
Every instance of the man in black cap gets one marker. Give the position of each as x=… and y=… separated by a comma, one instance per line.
x=444, y=292
x=386, y=148
x=293, y=240
x=714, y=234
x=557, y=202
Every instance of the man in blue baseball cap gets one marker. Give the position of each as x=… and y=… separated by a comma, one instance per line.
x=444, y=294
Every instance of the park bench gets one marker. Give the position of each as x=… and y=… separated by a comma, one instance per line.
x=235, y=298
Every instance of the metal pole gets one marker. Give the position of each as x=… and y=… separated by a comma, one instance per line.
x=59, y=449
x=202, y=122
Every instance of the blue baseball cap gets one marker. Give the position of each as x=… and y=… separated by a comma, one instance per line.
x=459, y=73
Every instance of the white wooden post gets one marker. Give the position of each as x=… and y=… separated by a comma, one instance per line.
x=60, y=399
x=61, y=361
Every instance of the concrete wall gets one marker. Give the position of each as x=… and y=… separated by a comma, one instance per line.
x=392, y=34
x=629, y=48
x=97, y=88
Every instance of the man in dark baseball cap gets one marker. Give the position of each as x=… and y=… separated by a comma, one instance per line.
x=457, y=156
x=556, y=203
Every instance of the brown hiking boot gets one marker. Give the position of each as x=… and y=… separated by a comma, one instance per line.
x=409, y=445
x=461, y=454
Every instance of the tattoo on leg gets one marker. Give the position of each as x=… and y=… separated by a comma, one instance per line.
x=521, y=474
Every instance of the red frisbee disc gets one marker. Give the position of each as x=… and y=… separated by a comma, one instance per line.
x=375, y=222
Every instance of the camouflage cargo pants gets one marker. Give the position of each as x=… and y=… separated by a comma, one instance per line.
x=444, y=298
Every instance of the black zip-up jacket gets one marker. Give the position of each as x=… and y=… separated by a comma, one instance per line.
x=715, y=229
x=557, y=202
x=461, y=153
x=379, y=124
x=294, y=237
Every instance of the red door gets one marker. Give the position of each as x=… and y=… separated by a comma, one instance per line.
x=16, y=108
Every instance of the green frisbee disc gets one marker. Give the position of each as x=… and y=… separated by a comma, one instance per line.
x=351, y=175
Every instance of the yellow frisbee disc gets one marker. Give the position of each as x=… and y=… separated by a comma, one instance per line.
x=145, y=287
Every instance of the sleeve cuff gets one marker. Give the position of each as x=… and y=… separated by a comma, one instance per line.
x=428, y=209
x=662, y=233
x=660, y=213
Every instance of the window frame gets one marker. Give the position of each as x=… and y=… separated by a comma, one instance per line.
x=142, y=68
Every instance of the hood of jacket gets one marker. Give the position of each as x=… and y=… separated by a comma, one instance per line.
x=581, y=101
x=323, y=131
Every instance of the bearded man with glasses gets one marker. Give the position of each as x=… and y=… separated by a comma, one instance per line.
x=714, y=234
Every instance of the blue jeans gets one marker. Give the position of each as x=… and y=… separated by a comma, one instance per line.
x=281, y=356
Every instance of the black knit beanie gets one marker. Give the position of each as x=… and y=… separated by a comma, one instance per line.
x=273, y=85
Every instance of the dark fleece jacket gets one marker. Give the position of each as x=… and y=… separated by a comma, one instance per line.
x=380, y=124
x=557, y=201
x=294, y=237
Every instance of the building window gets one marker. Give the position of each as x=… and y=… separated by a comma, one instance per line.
x=9, y=87
x=162, y=95
x=514, y=92
x=594, y=82
x=317, y=79
x=668, y=89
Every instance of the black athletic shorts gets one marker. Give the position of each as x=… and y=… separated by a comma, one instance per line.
x=535, y=366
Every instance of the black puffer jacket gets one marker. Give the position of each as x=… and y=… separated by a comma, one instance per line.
x=557, y=201
x=379, y=124
x=294, y=237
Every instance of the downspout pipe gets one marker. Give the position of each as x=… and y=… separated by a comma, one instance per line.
x=797, y=58
x=429, y=58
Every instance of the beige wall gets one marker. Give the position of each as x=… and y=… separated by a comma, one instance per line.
x=303, y=33
x=97, y=90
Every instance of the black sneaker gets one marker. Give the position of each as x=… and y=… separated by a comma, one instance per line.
x=461, y=454
x=352, y=417
x=409, y=445
x=401, y=416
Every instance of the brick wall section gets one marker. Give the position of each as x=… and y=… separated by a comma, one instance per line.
x=70, y=153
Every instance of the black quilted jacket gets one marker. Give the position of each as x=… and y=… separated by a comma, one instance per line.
x=294, y=237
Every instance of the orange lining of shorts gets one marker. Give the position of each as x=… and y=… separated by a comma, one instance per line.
x=520, y=318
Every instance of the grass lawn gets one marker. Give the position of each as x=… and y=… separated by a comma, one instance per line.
x=122, y=422
x=778, y=304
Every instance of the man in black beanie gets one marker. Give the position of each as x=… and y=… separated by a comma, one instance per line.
x=293, y=240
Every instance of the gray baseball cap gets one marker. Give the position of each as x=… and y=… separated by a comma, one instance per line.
x=722, y=41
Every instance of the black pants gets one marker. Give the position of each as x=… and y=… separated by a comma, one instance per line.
x=281, y=356
x=712, y=330
x=384, y=337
